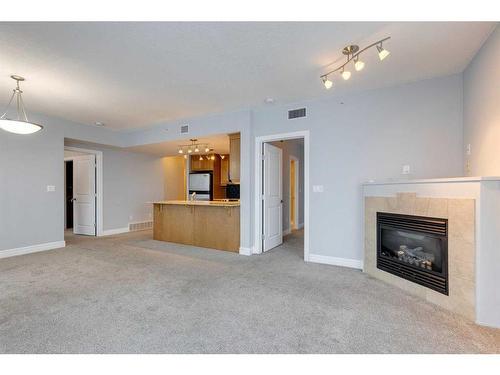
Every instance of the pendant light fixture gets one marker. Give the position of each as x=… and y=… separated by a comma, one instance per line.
x=21, y=125
x=353, y=54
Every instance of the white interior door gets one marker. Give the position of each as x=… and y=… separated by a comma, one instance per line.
x=272, y=197
x=84, y=195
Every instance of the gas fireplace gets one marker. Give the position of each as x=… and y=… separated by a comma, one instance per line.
x=414, y=248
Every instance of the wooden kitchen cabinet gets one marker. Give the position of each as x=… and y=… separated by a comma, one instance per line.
x=198, y=165
x=234, y=157
x=224, y=170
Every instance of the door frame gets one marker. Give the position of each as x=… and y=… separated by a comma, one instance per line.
x=99, y=184
x=297, y=195
x=259, y=141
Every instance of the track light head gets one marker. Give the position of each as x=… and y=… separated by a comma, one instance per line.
x=358, y=64
x=382, y=53
x=346, y=74
x=328, y=84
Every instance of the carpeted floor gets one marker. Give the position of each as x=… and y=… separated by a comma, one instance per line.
x=130, y=294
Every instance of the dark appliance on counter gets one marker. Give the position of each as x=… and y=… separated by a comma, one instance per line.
x=233, y=191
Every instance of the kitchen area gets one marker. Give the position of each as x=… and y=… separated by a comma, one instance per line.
x=205, y=178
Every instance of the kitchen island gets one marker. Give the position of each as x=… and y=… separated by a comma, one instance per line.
x=210, y=224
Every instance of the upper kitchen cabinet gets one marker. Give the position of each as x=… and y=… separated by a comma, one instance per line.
x=224, y=170
x=234, y=157
x=202, y=165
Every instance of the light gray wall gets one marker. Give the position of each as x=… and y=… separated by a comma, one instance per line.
x=29, y=215
x=130, y=180
x=370, y=136
x=482, y=109
x=293, y=147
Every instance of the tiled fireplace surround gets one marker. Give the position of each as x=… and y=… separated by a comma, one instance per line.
x=461, y=248
x=472, y=207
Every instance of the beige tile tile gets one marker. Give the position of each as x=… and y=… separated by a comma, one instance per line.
x=438, y=207
x=460, y=250
x=406, y=202
x=462, y=270
x=421, y=206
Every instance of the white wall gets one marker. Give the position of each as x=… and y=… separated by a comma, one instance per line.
x=482, y=109
x=293, y=147
x=370, y=136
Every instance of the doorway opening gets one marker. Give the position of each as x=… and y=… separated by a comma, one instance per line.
x=82, y=192
x=281, y=192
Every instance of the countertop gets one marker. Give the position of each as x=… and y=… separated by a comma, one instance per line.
x=201, y=203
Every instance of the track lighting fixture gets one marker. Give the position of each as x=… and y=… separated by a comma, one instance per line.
x=352, y=52
x=194, y=147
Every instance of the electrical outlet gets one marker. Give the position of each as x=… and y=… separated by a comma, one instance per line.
x=318, y=188
x=51, y=188
x=406, y=169
x=468, y=149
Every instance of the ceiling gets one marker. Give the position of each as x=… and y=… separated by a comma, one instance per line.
x=131, y=75
x=219, y=142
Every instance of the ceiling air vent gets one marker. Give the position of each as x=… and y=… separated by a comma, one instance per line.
x=184, y=129
x=296, y=113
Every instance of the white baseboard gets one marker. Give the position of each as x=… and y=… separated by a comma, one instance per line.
x=246, y=251
x=110, y=232
x=334, y=261
x=32, y=249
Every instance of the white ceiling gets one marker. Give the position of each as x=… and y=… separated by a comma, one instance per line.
x=131, y=75
x=219, y=142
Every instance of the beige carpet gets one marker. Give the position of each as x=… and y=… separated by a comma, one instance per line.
x=130, y=294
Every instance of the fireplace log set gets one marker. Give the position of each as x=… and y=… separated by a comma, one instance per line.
x=417, y=256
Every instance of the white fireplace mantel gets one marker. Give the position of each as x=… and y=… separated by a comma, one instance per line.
x=486, y=193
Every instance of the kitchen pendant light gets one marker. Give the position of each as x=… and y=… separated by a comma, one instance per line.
x=21, y=125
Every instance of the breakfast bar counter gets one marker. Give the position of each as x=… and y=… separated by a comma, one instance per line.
x=210, y=224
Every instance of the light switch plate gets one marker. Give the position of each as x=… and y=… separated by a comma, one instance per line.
x=406, y=169
x=51, y=188
x=318, y=188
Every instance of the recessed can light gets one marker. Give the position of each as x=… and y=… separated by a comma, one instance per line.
x=269, y=100
x=99, y=123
